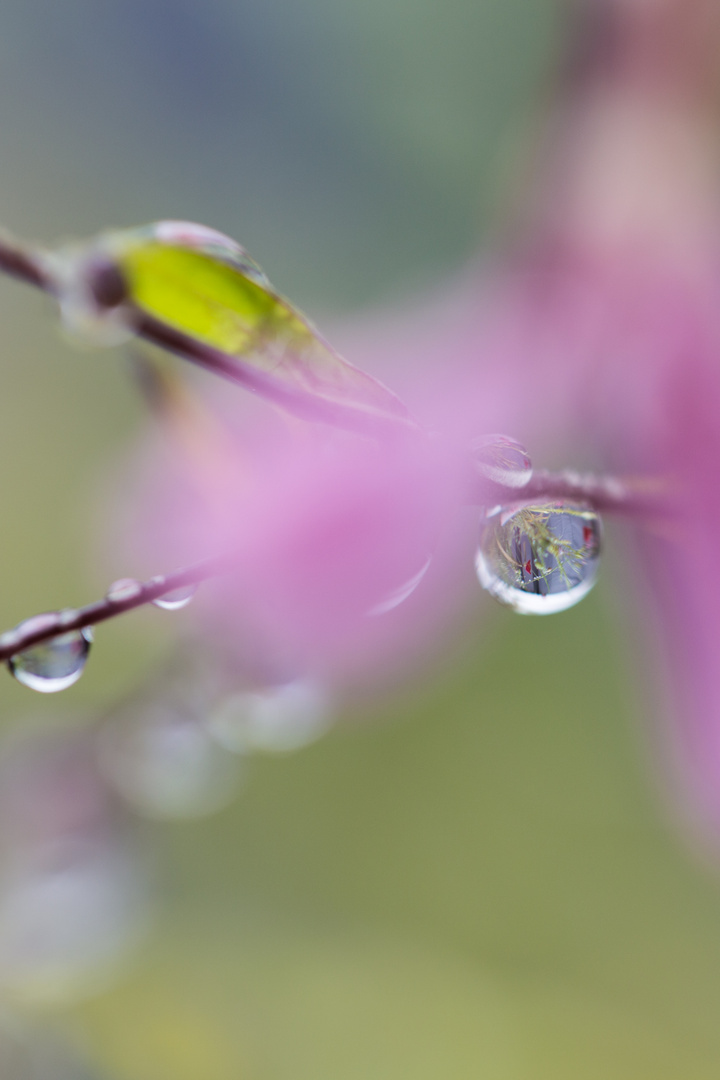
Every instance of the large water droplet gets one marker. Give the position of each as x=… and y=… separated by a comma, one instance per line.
x=540, y=558
x=52, y=665
x=178, y=598
x=502, y=460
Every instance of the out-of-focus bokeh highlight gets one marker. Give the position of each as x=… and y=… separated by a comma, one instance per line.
x=476, y=873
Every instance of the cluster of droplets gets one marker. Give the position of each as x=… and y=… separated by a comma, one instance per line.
x=127, y=589
x=536, y=556
x=58, y=660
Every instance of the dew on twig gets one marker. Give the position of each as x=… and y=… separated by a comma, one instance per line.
x=176, y=599
x=54, y=664
x=502, y=460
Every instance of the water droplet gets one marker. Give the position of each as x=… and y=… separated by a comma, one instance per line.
x=210, y=242
x=502, y=460
x=123, y=589
x=38, y=624
x=52, y=665
x=178, y=598
x=274, y=719
x=68, y=616
x=401, y=593
x=540, y=558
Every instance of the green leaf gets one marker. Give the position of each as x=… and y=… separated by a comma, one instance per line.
x=204, y=285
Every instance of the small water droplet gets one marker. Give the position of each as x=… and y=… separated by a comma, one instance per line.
x=178, y=598
x=541, y=558
x=123, y=589
x=209, y=242
x=68, y=616
x=52, y=665
x=38, y=624
x=502, y=460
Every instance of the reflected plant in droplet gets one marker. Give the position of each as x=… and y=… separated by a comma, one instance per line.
x=539, y=559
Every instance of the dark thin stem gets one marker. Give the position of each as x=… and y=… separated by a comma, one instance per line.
x=44, y=628
x=23, y=263
x=303, y=405
x=109, y=290
x=604, y=494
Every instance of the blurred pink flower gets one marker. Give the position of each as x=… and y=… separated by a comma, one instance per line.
x=595, y=340
x=324, y=533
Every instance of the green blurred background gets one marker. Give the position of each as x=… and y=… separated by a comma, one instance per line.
x=477, y=877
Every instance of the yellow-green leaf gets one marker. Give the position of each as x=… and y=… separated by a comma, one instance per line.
x=205, y=286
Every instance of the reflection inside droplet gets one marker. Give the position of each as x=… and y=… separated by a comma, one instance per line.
x=178, y=598
x=55, y=664
x=273, y=719
x=542, y=558
x=502, y=460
